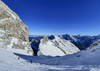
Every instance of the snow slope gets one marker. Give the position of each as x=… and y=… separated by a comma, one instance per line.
x=81, y=61
x=88, y=57
x=9, y=62
x=49, y=49
x=56, y=47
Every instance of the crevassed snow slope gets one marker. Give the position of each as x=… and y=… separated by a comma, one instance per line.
x=56, y=47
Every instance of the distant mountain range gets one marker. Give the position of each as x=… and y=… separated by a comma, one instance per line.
x=81, y=41
x=35, y=35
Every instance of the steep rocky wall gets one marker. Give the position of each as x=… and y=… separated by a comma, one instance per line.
x=11, y=27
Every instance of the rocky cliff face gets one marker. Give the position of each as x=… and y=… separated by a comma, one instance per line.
x=13, y=32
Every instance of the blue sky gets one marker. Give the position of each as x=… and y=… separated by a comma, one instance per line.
x=53, y=17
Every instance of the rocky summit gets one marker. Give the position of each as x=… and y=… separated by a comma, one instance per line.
x=13, y=32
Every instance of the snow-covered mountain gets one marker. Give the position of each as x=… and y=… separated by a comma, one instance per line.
x=72, y=39
x=13, y=32
x=81, y=61
x=86, y=58
x=95, y=44
x=81, y=41
x=87, y=40
x=56, y=47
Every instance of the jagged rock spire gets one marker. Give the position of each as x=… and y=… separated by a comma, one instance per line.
x=45, y=39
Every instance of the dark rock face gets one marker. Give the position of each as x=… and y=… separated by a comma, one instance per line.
x=51, y=37
x=35, y=46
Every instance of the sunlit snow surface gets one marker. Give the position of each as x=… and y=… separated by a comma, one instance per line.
x=9, y=62
x=57, y=47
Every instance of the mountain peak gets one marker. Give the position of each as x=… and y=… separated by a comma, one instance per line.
x=45, y=39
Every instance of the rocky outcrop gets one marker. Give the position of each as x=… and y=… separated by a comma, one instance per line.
x=45, y=39
x=11, y=27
